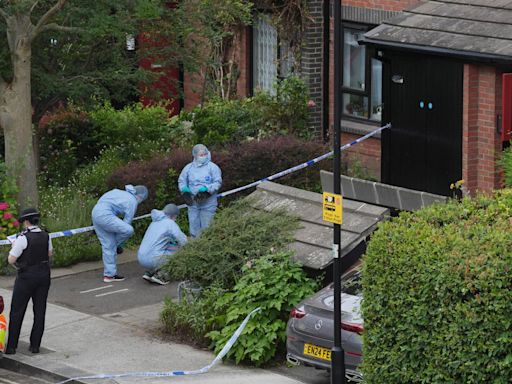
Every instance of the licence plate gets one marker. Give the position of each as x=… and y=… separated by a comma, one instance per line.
x=318, y=352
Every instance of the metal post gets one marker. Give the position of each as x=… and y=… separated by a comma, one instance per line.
x=337, y=354
x=326, y=39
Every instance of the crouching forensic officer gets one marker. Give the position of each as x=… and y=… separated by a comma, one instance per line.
x=30, y=255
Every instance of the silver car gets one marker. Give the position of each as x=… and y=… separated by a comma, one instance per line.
x=310, y=328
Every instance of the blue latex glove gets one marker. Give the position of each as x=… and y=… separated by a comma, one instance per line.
x=202, y=189
x=185, y=190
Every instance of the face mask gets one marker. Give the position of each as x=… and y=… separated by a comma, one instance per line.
x=202, y=159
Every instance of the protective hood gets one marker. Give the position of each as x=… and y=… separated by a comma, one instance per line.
x=200, y=148
x=157, y=215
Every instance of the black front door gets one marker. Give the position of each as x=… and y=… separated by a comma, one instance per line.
x=423, y=101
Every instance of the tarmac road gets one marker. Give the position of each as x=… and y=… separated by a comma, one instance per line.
x=86, y=292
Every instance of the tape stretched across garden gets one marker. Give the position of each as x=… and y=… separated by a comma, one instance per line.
x=309, y=163
x=232, y=340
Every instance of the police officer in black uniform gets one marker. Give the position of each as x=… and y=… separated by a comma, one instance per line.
x=30, y=254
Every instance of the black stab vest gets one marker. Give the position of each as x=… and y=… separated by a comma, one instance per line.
x=36, y=252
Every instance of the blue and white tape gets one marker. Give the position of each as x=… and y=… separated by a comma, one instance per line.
x=275, y=176
x=232, y=340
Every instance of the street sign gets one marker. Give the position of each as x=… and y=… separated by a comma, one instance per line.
x=332, y=208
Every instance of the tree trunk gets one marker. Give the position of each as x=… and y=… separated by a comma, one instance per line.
x=16, y=116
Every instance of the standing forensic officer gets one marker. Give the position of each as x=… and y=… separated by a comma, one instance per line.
x=199, y=183
x=30, y=254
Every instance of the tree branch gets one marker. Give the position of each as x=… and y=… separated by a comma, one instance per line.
x=33, y=6
x=47, y=16
x=3, y=14
x=57, y=27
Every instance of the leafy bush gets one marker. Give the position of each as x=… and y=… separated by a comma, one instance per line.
x=237, y=234
x=8, y=223
x=506, y=163
x=93, y=178
x=437, y=295
x=191, y=321
x=286, y=112
x=67, y=208
x=139, y=131
x=275, y=284
x=221, y=121
x=67, y=140
x=159, y=174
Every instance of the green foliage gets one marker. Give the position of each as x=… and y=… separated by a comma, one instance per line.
x=92, y=179
x=191, y=321
x=8, y=223
x=286, y=112
x=222, y=121
x=232, y=121
x=275, y=284
x=67, y=140
x=437, y=295
x=138, y=131
x=237, y=234
x=68, y=208
x=506, y=163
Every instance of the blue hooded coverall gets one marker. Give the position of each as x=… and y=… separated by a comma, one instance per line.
x=110, y=229
x=162, y=238
x=194, y=176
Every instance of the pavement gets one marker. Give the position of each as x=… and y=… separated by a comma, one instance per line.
x=82, y=339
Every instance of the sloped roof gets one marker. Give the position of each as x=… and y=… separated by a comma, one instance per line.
x=313, y=241
x=476, y=29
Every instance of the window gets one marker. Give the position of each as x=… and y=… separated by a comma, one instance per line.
x=272, y=57
x=362, y=79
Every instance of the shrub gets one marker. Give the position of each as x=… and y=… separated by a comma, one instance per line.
x=93, y=178
x=275, y=284
x=8, y=223
x=506, y=163
x=221, y=121
x=68, y=208
x=139, y=131
x=159, y=174
x=286, y=112
x=191, y=321
x=67, y=140
x=237, y=234
x=437, y=295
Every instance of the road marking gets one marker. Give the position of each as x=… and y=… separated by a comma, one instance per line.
x=111, y=293
x=97, y=289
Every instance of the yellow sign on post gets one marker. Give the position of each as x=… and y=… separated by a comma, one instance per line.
x=332, y=208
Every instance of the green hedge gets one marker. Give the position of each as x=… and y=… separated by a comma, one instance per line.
x=437, y=305
x=238, y=233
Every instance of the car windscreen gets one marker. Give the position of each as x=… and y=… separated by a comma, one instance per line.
x=351, y=283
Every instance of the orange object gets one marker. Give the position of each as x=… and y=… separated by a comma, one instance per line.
x=3, y=331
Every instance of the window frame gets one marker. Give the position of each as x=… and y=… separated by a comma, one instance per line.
x=370, y=53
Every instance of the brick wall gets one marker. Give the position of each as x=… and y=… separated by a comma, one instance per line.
x=480, y=141
x=311, y=62
x=365, y=154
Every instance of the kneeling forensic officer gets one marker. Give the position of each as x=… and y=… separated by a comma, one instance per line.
x=162, y=239
x=30, y=254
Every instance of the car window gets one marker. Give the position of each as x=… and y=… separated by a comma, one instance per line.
x=351, y=283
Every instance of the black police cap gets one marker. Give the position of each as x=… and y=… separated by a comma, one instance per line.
x=28, y=213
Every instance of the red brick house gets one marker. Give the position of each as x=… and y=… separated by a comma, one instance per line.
x=434, y=69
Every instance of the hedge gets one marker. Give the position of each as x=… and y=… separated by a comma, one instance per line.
x=437, y=304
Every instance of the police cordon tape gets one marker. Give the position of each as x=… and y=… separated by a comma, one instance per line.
x=309, y=163
x=232, y=340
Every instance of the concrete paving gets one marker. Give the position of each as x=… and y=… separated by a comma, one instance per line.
x=76, y=343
